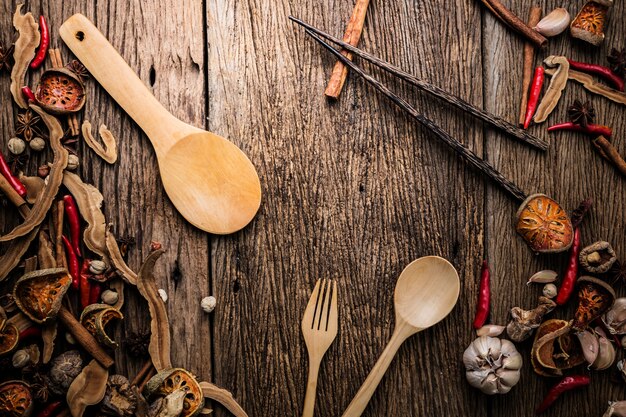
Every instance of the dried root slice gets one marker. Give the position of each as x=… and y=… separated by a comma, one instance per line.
x=544, y=225
x=108, y=152
x=171, y=380
x=60, y=92
x=555, y=89
x=95, y=319
x=34, y=187
x=39, y=294
x=24, y=52
x=88, y=388
x=16, y=399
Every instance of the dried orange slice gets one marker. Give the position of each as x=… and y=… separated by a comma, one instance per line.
x=9, y=337
x=173, y=379
x=60, y=92
x=16, y=399
x=39, y=293
x=594, y=298
x=544, y=225
x=96, y=317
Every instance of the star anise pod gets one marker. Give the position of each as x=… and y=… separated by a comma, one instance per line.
x=581, y=113
x=137, y=344
x=78, y=69
x=618, y=272
x=6, y=58
x=617, y=59
x=17, y=162
x=26, y=126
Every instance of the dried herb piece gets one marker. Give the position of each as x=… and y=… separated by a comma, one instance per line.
x=117, y=260
x=6, y=58
x=555, y=89
x=26, y=125
x=617, y=59
x=108, y=152
x=48, y=335
x=618, y=271
x=581, y=113
x=39, y=293
x=524, y=322
x=580, y=212
x=60, y=92
x=170, y=380
x=16, y=399
x=590, y=84
x=24, y=52
x=89, y=200
x=159, y=347
x=44, y=201
x=88, y=388
x=120, y=399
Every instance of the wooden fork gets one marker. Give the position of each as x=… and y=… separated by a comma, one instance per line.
x=319, y=327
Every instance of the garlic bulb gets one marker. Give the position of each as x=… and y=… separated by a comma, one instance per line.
x=554, y=23
x=615, y=318
x=492, y=365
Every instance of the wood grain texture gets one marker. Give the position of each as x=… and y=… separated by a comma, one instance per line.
x=352, y=191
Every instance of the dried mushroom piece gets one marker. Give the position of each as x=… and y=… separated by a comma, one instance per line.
x=63, y=370
x=595, y=297
x=120, y=399
x=589, y=24
x=24, y=52
x=9, y=338
x=544, y=225
x=615, y=317
x=170, y=380
x=16, y=399
x=60, y=92
x=598, y=257
x=524, y=322
x=95, y=319
x=39, y=293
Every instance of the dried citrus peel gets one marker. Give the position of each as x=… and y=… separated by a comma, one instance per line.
x=39, y=294
x=544, y=225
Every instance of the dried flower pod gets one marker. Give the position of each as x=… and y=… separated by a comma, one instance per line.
x=615, y=317
x=543, y=277
x=170, y=380
x=208, y=304
x=492, y=365
x=594, y=298
x=550, y=291
x=60, y=92
x=554, y=23
x=95, y=319
x=616, y=409
x=72, y=163
x=544, y=225
x=598, y=257
x=37, y=144
x=617, y=59
x=16, y=399
x=63, y=369
x=491, y=330
x=589, y=24
x=119, y=399
x=9, y=337
x=581, y=114
x=39, y=293
x=524, y=322
x=16, y=146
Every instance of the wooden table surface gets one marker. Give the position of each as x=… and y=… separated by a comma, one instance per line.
x=352, y=190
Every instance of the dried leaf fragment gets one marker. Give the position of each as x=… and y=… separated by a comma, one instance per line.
x=108, y=152
x=24, y=52
x=88, y=388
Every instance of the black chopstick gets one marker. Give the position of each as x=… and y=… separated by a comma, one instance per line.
x=458, y=102
x=454, y=143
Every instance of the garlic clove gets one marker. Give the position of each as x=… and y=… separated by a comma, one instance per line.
x=490, y=385
x=543, y=277
x=491, y=330
x=590, y=344
x=554, y=23
x=606, y=355
x=513, y=362
x=508, y=378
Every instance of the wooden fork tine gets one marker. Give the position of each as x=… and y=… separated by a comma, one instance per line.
x=334, y=310
x=324, y=305
x=309, y=313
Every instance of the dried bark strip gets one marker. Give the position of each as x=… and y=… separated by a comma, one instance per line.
x=45, y=252
x=24, y=52
x=108, y=152
x=609, y=151
x=159, y=347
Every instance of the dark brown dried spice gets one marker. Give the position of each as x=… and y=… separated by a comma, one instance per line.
x=617, y=59
x=581, y=211
x=78, y=69
x=581, y=113
x=617, y=272
x=137, y=344
x=6, y=58
x=26, y=125
x=17, y=162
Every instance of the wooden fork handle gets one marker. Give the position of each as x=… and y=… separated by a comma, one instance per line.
x=311, y=387
x=362, y=398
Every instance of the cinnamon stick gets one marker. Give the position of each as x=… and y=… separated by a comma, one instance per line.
x=141, y=375
x=529, y=63
x=84, y=338
x=609, y=151
x=515, y=23
x=351, y=36
x=59, y=249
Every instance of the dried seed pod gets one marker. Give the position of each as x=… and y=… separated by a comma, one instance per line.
x=543, y=277
x=63, y=370
x=550, y=291
x=544, y=225
x=110, y=297
x=554, y=350
x=72, y=163
x=16, y=146
x=119, y=399
x=16, y=399
x=170, y=380
x=60, y=92
x=595, y=297
x=598, y=257
x=37, y=144
x=39, y=293
x=554, y=23
x=208, y=304
x=589, y=24
x=95, y=319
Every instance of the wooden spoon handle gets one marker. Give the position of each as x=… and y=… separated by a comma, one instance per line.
x=362, y=398
x=108, y=67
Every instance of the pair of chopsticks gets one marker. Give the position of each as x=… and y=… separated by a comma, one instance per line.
x=454, y=143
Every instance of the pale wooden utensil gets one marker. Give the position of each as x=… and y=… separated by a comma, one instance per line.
x=319, y=327
x=210, y=180
x=425, y=293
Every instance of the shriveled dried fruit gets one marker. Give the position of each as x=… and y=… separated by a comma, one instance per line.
x=63, y=370
x=119, y=399
x=9, y=337
x=95, y=319
x=170, y=380
x=60, y=92
x=595, y=297
x=544, y=225
x=39, y=293
x=16, y=399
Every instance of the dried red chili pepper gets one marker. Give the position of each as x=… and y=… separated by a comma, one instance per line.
x=32, y=331
x=569, y=278
x=592, y=130
x=28, y=94
x=535, y=92
x=94, y=292
x=599, y=70
x=6, y=173
x=73, y=265
x=85, y=284
x=73, y=218
x=50, y=409
x=566, y=384
x=43, y=44
x=484, y=298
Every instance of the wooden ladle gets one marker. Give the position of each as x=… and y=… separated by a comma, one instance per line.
x=425, y=293
x=210, y=181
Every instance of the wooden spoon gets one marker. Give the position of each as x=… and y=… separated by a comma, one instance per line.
x=425, y=293
x=210, y=180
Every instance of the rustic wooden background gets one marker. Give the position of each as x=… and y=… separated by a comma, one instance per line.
x=352, y=191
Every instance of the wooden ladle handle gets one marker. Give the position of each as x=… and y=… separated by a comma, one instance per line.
x=108, y=67
x=362, y=398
